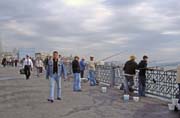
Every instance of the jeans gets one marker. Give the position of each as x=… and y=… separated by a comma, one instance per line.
x=53, y=79
x=128, y=83
x=77, y=82
x=92, y=78
x=82, y=73
x=47, y=74
x=179, y=93
x=142, y=85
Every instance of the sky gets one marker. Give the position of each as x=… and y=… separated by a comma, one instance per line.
x=93, y=27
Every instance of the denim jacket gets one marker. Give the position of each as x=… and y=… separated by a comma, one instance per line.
x=61, y=69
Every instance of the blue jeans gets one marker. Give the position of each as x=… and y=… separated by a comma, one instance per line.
x=142, y=85
x=128, y=83
x=53, y=79
x=47, y=74
x=179, y=92
x=92, y=78
x=77, y=82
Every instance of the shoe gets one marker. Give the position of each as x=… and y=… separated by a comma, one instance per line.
x=77, y=90
x=50, y=100
x=59, y=98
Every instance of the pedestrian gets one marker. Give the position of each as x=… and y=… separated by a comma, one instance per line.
x=16, y=62
x=39, y=66
x=76, y=72
x=63, y=69
x=130, y=71
x=28, y=66
x=142, y=66
x=92, y=70
x=82, y=67
x=46, y=61
x=178, y=80
x=54, y=73
x=4, y=62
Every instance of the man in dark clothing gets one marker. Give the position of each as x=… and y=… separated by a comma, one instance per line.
x=142, y=76
x=46, y=61
x=130, y=71
x=76, y=72
x=4, y=62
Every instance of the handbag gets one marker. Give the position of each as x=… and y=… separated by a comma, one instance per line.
x=22, y=71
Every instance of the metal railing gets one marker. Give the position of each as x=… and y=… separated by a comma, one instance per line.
x=159, y=83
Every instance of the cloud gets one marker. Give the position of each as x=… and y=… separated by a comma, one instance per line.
x=97, y=27
x=171, y=33
x=19, y=28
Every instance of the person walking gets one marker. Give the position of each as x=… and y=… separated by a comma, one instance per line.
x=28, y=66
x=64, y=70
x=142, y=66
x=46, y=61
x=54, y=73
x=130, y=71
x=39, y=66
x=82, y=67
x=4, y=62
x=76, y=72
x=92, y=70
x=16, y=62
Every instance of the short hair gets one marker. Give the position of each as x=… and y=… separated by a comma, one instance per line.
x=55, y=52
x=76, y=57
x=145, y=57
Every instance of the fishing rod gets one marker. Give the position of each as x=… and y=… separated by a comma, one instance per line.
x=111, y=56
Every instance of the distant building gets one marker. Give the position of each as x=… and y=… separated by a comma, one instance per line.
x=26, y=51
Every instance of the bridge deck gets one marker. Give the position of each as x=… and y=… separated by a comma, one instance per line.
x=20, y=98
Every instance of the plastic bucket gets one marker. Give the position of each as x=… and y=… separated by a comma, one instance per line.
x=175, y=101
x=136, y=99
x=126, y=97
x=171, y=107
x=178, y=106
x=104, y=89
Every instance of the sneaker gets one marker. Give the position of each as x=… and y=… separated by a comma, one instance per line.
x=50, y=100
x=59, y=98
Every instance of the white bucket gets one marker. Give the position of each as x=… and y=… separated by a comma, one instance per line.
x=104, y=89
x=178, y=106
x=136, y=99
x=175, y=101
x=84, y=79
x=171, y=107
x=126, y=97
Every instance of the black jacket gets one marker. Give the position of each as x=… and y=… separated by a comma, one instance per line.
x=130, y=67
x=75, y=66
x=142, y=67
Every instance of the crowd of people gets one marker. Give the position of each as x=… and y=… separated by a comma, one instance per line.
x=9, y=62
x=55, y=69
